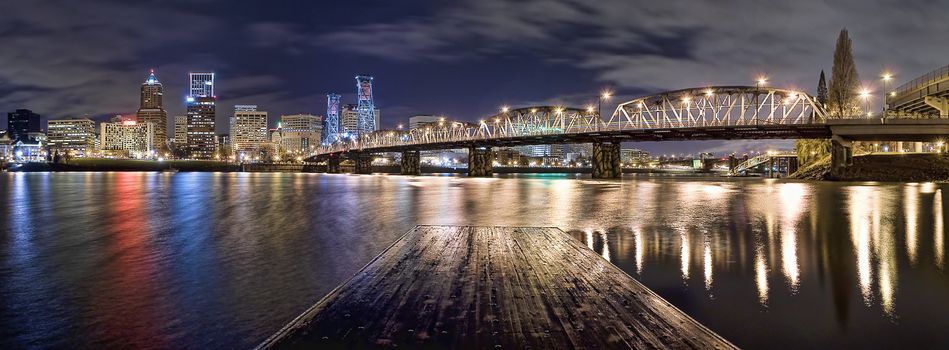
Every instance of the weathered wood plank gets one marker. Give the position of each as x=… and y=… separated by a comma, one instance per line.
x=493, y=287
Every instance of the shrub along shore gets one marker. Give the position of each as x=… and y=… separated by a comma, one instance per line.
x=882, y=167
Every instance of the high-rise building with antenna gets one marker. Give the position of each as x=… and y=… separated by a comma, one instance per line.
x=151, y=110
x=201, y=115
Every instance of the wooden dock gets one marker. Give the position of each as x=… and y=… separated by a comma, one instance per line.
x=462, y=287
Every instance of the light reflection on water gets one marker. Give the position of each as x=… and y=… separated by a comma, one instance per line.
x=188, y=260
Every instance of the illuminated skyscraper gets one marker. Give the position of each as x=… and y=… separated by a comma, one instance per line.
x=74, y=136
x=201, y=116
x=364, y=105
x=181, y=132
x=151, y=109
x=21, y=123
x=248, y=130
x=331, y=126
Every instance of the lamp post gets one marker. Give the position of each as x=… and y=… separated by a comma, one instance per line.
x=604, y=95
x=885, y=77
x=758, y=84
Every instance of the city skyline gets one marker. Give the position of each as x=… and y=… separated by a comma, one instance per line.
x=425, y=69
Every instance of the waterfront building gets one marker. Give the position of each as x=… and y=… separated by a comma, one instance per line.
x=418, y=121
x=22, y=122
x=224, y=145
x=298, y=132
x=634, y=156
x=126, y=137
x=151, y=109
x=73, y=136
x=248, y=129
x=6, y=147
x=201, y=116
x=29, y=150
x=181, y=131
x=555, y=150
x=349, y=121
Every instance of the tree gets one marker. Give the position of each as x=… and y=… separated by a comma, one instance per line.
x=844, y=81
x=822, y=90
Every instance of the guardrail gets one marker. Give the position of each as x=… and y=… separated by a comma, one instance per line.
x=925, y=79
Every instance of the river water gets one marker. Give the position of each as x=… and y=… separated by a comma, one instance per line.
x=223, y=260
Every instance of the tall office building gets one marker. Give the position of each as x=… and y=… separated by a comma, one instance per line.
x=21, y=123
x=127, y=138
x=74, y=136
x=181, y=131
x=418, y=121
x=248, y=129
x=298, y=132
x=151, y=109
x=201, y=116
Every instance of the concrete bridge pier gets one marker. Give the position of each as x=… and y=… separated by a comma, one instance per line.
x=363, y=163
x=411, y=163
x=841, y=155
x=332, y=164
x=606, y=160
x=480, y=162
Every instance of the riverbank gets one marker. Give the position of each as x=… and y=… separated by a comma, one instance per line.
x=101, y=164
x=882, y=167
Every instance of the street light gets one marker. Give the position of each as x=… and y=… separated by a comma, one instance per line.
x=866, y=99
x=760, y=82
x=886, y=77
x=604, y=95
x=504, y=109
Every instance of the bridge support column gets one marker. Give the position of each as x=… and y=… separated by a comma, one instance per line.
x=841, y=156
x=363, y=163
x=332, y=164
x=606, y=160
x=411, y=163
x=480, y=163
x=940, y=103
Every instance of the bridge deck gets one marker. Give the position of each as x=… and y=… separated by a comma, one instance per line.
x=483, y=287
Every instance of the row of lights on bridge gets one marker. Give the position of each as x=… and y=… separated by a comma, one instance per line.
x=605, y=95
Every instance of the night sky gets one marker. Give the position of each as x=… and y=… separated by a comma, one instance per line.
x=462, y=59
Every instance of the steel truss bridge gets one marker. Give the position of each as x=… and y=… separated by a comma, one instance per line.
x=705, y=113
x=719, y=112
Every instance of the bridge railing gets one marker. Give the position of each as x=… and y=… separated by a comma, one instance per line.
x=926, y=79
